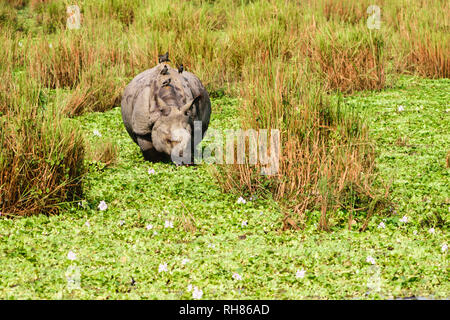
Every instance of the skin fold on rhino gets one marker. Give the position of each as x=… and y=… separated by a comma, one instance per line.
x=159, y=107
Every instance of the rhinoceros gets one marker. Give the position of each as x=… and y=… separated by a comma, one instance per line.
x=159, y=107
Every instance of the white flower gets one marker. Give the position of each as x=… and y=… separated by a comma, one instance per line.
x=155, y=233
x=184, y=261
x=404, y=219
x=189, y=288
x=162, y=267
x=211, y=245
x=244, y=223
x=400, y=108
x=102, y=206
x=197, y=293
x=50, y=45
x=381, y=225
x=121, y=222
x=151, y=171
x=149, y=227
x=300, y=274
x=241, y=200
x=370, y=259
x=71, y=255
x=444, y=247
x=431, y=230
x=97, y=133
x=237, y=276
x=87, y=224
x=415, y=232
x=20, y=43
x=168, y=224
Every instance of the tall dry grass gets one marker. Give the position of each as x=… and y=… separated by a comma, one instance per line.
x=41, y=155
x=98, y=90
x=349, y=60
x=104, y=151
x=327, y=158
x=420, y=37
x=17, y=4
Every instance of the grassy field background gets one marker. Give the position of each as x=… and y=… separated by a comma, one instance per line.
x=359, y=208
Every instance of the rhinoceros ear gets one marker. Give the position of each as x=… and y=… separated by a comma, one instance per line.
x=162, y=106
x=141, y=113
x=190, y=103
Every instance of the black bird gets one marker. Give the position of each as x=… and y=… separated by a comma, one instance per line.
x=164, y=57
x=164, y=70
x=166, y=83
x=180, y=68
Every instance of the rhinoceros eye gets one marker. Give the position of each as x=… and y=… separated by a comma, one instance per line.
x=188, y=112
x=165, y=111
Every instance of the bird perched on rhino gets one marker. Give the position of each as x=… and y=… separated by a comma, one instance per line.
x=164, y=70
x=164, y=58
x=159, y=108
x=166, y=82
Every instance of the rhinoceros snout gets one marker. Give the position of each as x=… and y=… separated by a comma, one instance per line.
x=180, y=135
x=181, y=155
x=181, y=139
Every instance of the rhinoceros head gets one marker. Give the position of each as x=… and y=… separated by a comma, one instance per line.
x=172, y=131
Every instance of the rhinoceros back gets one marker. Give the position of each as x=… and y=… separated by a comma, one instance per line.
x=140, y=106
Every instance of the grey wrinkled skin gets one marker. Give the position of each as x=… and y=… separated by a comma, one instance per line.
x=159, y=110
